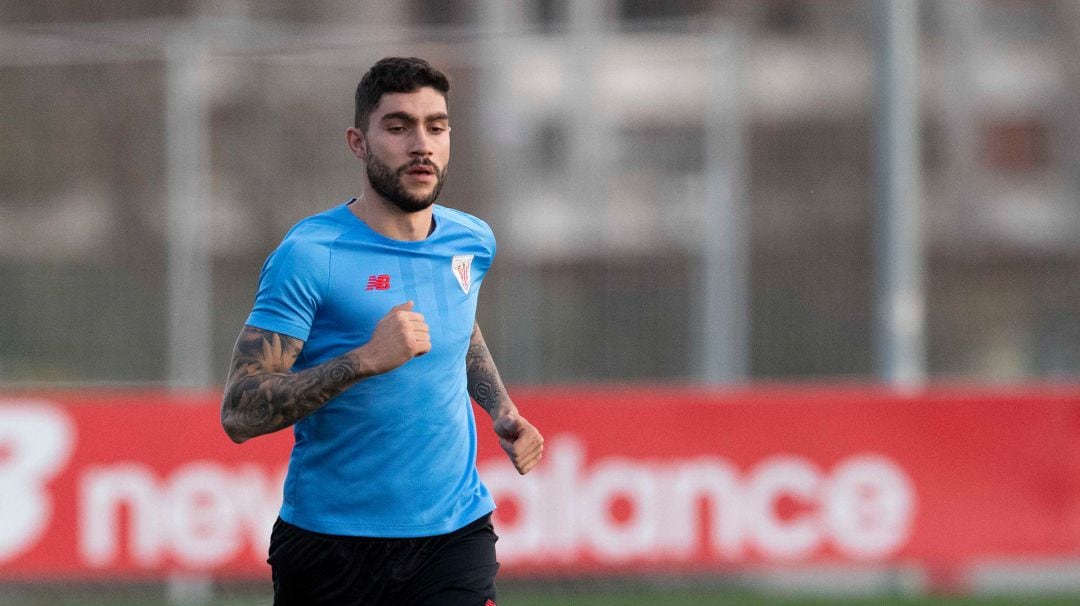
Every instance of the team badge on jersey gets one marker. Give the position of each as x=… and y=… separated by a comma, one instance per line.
x=461, y=265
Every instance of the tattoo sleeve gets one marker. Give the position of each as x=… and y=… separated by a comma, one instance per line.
x=485, y=385
x=263, y=396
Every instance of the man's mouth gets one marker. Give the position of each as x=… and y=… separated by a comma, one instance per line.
x=421, y=169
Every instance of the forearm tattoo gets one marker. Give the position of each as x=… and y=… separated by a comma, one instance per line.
x=262, y=396
x=484, y=383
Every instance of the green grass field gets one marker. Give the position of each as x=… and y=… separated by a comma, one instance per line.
x=722, y=598
x=530, y=595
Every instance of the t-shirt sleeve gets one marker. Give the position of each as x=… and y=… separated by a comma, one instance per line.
x=487, y=239
x=291, y=287
x=490, y=240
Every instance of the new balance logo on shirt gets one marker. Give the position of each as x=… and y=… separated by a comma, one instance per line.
x=460, y=267
x=378, y=282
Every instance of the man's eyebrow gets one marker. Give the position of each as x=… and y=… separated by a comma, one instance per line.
x=404, y=116
x=407, y=117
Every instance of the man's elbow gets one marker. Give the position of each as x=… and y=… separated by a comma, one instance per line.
x=235, y=432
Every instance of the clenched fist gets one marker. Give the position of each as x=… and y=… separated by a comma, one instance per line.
x=521, y=441
x=401, y=335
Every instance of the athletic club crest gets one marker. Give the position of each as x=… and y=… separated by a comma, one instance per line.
x=461, y=265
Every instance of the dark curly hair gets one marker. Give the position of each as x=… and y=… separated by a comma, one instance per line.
x=395, y=75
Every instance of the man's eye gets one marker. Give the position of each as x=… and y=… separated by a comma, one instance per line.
x=396, y=129
x=437, y=129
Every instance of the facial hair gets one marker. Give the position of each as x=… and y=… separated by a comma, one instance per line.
x=387, y=183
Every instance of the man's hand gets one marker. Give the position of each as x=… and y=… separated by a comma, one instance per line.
x=521, y=441
x=401, y=335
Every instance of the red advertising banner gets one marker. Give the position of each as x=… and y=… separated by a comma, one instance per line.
x=136, y=485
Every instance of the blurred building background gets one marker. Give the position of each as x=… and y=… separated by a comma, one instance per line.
x=649, y=168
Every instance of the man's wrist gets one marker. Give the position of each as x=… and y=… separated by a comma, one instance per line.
x=361, y=361
x=504, y=408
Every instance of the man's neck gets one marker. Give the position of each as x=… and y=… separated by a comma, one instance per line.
x=390, y=221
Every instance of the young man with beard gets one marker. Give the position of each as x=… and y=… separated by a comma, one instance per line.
x=363, y=338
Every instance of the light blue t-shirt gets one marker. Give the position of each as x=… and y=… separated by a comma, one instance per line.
x=395, y=454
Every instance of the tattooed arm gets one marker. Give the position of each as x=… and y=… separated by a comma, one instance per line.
x=521, y=441
x=263, y=396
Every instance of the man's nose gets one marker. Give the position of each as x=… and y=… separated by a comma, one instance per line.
x=421, y=144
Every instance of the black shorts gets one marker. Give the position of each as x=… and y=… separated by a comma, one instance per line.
x=456, y=569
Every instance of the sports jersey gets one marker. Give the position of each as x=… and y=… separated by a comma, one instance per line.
x=395, y=454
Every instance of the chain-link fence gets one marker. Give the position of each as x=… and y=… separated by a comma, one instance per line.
x=672, y=189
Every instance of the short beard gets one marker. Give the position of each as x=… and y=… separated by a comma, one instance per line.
x=387, y=183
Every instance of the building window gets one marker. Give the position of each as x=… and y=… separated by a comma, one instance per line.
x=1016, y=145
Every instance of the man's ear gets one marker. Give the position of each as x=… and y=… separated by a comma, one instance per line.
x=357, y=142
